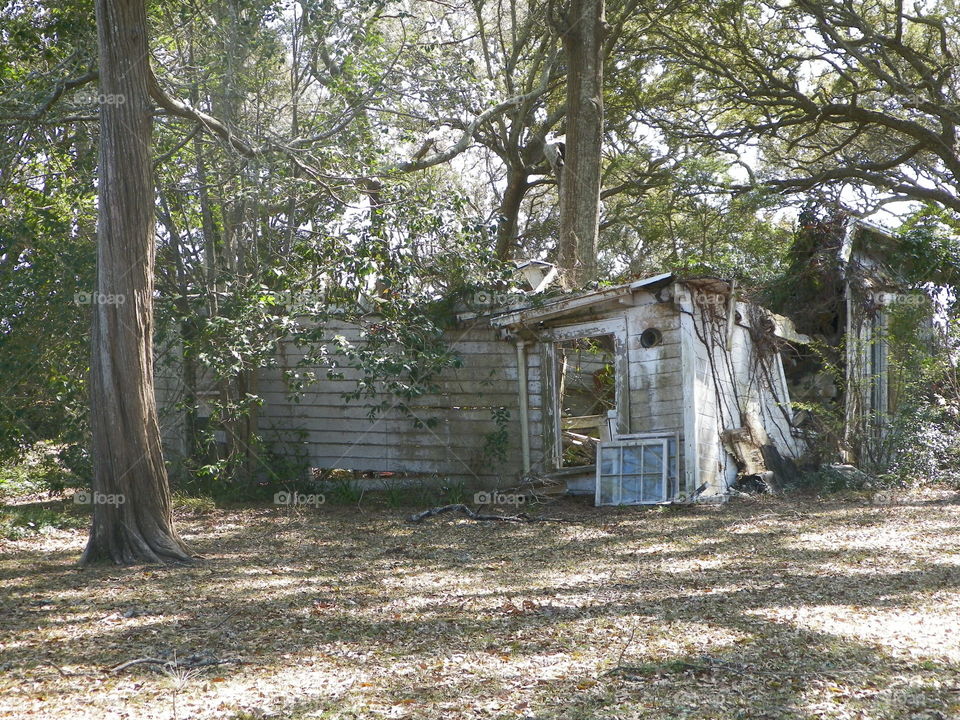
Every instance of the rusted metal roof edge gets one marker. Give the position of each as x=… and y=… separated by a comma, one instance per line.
x=569, y=303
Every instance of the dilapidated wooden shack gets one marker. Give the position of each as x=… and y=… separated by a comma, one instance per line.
x=653, y=391
x=657, y=390
x=664, y=389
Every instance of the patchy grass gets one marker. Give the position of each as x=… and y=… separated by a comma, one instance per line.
x=17, y=481
x=759, y=609
x=19, y=521
x=190, y=505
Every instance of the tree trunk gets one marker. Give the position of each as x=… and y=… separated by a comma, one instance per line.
x=583, y=35
x=513, y=195
x=132, y=518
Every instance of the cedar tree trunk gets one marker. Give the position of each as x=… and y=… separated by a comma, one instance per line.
x=132, y=519
x=583, y=36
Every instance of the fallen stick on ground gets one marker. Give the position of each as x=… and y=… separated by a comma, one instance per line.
x=474, y=515
x=173, y=664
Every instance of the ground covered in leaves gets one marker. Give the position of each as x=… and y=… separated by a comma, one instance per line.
x=772, y=608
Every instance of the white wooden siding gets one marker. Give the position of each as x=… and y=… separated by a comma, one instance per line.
x=455, y=421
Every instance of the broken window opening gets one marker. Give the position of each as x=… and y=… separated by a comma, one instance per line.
x=587, y=391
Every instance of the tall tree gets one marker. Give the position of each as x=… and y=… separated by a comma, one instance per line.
x=132, y=517
x=582, y=26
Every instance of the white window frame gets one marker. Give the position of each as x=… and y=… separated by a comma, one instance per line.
x=617, y=498
x=614, y=326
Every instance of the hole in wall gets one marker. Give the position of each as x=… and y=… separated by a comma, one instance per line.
x=651, y=337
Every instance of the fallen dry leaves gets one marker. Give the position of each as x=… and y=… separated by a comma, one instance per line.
x=771, y=608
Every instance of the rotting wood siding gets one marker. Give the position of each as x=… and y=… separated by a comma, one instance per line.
x=690, y=386
x=444, y=434
x=655, y=374
x=322, y=429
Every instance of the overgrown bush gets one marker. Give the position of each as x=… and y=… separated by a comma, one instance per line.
x=199, y=505
x=920, y=442
x=43, y=470
x=926, y=444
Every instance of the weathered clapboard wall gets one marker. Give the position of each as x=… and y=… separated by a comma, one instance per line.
x=445, y=433
x=698, y=405
x=729, y=384
x=168, y=390
x=655, y=375
x=691, y=387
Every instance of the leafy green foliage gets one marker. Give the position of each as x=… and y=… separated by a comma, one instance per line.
x=922, y=441
x=497, y=441
x=322, y=227
x=46, y=277
x=344, y=491
x=930, y=248
x=694, y=226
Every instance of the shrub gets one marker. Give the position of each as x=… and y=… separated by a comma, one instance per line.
x=926, y=441
x=344, y=491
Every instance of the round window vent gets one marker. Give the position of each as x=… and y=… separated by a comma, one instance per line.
x=651, y=337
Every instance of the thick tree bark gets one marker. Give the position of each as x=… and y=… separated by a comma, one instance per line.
x=132, y=518
x=584, y=28
x=513, y=195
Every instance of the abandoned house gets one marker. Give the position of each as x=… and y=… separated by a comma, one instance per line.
x=851, y=290
x=659, y=390
x=660, y=379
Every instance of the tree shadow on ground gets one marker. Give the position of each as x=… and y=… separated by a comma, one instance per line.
x=707, y=614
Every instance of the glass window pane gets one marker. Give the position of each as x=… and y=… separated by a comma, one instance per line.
x=608, y=485
x=653, y=473
x=652, y=489
x=631, y=460
x=634, y=473
x=630, y=489
x=609, y=461
x=653, y=458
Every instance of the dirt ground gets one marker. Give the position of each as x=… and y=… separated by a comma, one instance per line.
x=763, y=608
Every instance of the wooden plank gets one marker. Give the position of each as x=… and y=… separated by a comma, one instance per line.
x=641, y=380
x=347, y=433
x=663, y=318
x=659, y=395
x=611, y=325
x=388, y=444
x=665, y=422
x=457, y=347
x=451, y=385
x=470, y=395
x=551, y=432
x=357, y=415
x=688, y=421
x=657, y=353
x=337, y=406
x=431, y=458
x=582, y=422
x=622, y=378
x=385, y=446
